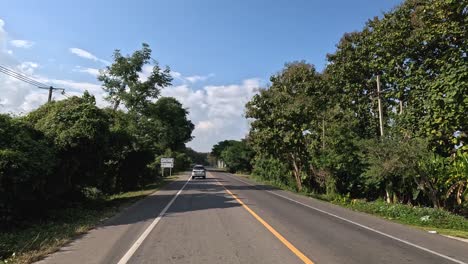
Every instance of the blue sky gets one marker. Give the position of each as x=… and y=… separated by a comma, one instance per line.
x=220, y=50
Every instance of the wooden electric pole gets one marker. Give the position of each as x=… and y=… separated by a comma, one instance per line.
x=51, y=90
x=50, y=94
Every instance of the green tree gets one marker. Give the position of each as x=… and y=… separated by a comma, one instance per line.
x=122, y=81
x=283, y=112
x=197, y=157
x=220, y=147
x=394, y=166
x=172, y=124
x=238, y=156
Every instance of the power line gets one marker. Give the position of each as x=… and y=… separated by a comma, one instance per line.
x=20, y=76
x=31, y=81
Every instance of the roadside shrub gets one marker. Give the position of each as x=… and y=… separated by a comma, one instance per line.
x=272, y=169
x=80, y=133
x=26, y=163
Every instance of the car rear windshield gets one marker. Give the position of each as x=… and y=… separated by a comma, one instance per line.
x=198, y=168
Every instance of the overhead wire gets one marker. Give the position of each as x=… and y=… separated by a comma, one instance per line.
x=22, y=77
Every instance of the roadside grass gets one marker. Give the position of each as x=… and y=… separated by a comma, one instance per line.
x=426, y=218
x=37, y=239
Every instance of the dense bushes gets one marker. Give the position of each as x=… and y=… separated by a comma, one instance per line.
x=80, y=132
x=26, y=166
x=273, y=170
x=57, y=153
x=67, y=151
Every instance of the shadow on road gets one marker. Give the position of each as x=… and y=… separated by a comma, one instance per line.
x=199, y=194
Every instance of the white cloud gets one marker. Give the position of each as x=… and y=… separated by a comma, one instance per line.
x=145, y=72
x=83, y=53
x=3, y=36
x=77, y=86
x=198, y=78
x=205, y=125
x=190, y=79
x=21, y=43
x=28, y=67
x=175, y=74
x=216, y=111
x=91, y=71
x=86, y=55
x=18, y=97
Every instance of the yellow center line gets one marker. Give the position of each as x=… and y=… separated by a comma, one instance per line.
x=283, y=240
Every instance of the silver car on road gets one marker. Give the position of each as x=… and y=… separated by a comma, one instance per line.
x=199, y=171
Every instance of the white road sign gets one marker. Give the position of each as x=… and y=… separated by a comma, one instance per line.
x=167, y=163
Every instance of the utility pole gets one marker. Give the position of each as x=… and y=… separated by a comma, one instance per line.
x=51, y=90
x=50, y=94
x=380, y=106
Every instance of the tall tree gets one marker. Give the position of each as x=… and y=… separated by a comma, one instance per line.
x=283, y=112
x=123, y=80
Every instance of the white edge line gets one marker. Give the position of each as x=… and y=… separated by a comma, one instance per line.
x=148, y=230
x=355, y=223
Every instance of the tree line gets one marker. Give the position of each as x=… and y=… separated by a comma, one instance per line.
x=320, y=131
x=68, y=151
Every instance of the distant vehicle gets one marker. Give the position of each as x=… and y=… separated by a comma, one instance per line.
x=199, y=171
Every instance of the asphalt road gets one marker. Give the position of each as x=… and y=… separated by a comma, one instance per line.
x=229, y=219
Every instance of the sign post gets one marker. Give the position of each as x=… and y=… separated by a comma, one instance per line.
x=167, y=163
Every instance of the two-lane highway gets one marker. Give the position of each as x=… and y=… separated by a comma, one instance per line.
x=228, y=219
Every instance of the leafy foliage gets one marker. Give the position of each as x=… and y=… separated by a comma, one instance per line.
x=170, y=121
x=67, y=152
x=26, y=165
x=80, y=132
x=122, y=80
x=283, y=112
x=272, y=170
x=324, y=128
x=220, y=147
x=237, y=156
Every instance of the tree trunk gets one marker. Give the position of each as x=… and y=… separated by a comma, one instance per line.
x=116, y=105
x=431, y=192
x=388, y=194
x=297, y=173
x=396, y=199
x=433, y=196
